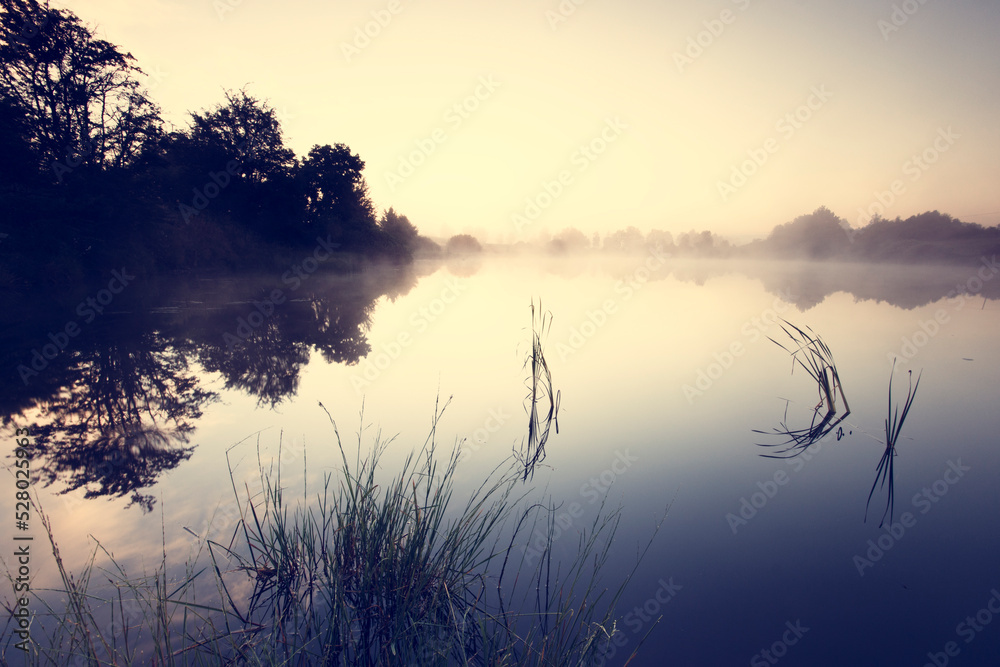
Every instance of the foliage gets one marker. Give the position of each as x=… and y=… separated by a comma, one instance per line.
x=336, y=195
x=569, y=240
x=247, y=130
x=463, y=244
x=81, y=95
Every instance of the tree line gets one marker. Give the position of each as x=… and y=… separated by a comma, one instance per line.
x=91, y=175
x=929, y=237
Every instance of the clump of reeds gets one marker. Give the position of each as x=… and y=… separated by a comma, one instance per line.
x=812, y=354
x=541, y=394
x=140, y=620
x=370, y=572
x=885, y=473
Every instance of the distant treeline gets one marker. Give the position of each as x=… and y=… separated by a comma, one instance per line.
x=91, y=177
x=930, y=237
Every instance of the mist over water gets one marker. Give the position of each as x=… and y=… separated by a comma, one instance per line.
x=665, y=370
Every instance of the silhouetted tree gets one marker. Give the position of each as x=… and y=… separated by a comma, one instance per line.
x=399, y=230
x=336, y=194
x=247, y=130
x=18, y=163
x=79, y=94
x=818, y=235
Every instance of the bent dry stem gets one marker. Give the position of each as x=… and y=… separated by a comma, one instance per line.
x=812, y=354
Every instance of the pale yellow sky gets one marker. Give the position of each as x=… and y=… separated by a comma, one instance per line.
x=684, y=106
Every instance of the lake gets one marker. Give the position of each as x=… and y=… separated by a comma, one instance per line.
x=670, y=388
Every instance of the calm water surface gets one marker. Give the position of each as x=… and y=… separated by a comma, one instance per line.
x=665, y=371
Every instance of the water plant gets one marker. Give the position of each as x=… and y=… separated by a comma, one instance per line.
x=372, y=570
x=814, y=356
x=885, y=473
x=541, y=393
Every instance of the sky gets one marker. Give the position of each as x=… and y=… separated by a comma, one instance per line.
x=516, y=120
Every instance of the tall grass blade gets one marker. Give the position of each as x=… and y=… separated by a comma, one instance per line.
x=885, y=472
x=541, y=394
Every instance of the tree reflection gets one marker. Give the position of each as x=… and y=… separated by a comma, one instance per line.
x=117, y=408
x=123, y=418
x=332, y=318
x=265, y=365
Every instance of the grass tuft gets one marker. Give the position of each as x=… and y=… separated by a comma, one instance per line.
x=371, y=571
x=812, y=354
x=885, y=472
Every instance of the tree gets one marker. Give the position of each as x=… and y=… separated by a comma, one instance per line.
x=17, y=160
x=626, y=240
x=399, y=229
x=247, y=130
x=79, y=94
x=570, y=239
x=336, y=194
x=817, y=235
x=462, y=244
x=660, y=239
